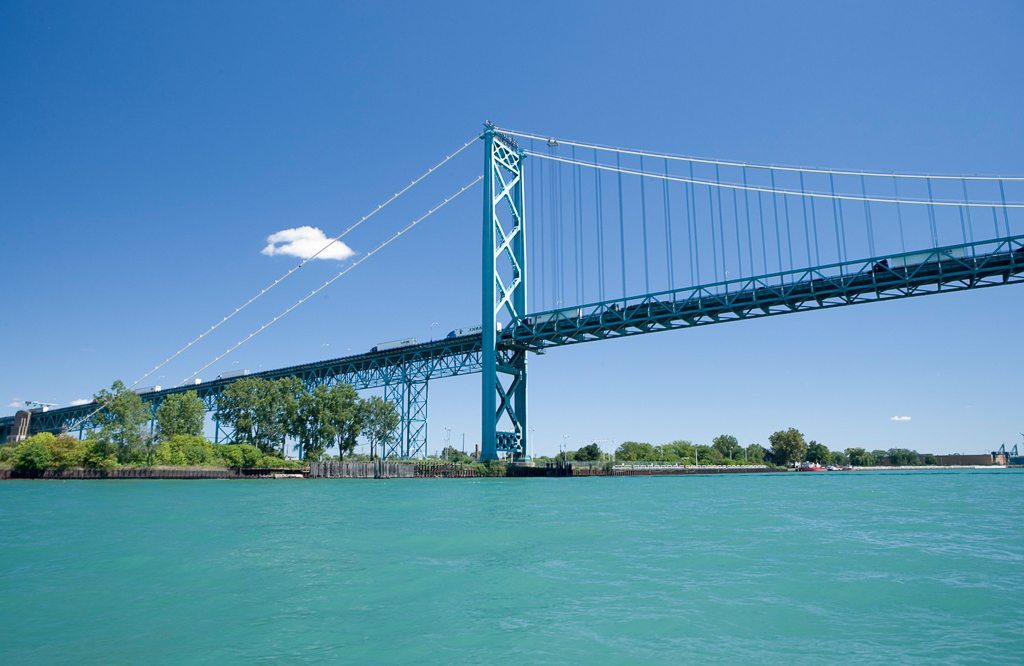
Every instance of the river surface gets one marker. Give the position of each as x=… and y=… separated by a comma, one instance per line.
x=923, y=567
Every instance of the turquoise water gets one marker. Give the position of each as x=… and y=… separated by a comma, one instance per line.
x=784, y=568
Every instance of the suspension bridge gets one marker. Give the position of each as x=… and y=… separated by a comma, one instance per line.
x=616, y=242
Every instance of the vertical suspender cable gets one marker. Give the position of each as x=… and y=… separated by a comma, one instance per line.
x=1006, y=216
x=764, y=242
x=970, y=221
x=643, y=227
x=622, y=226
x=721, y=224
x=668, y=231
x=836, y=216
x=739, y=245
x=599, y=203
x=789, y=229
x=931, y=215
x=775, y=217
x=867, y=217
x=807, y=233
x=532, y=240
x=691, y=228
x=714, y=239
x=583, y=258
x=814, y=229
x=560, y=243
x=899, y=213
x=746, y=211
x=576, y=228
x=539, y=235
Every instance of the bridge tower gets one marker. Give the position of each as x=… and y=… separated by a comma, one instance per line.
x=503, y=383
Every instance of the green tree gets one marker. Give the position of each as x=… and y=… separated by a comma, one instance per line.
x=180, y=414
x=709, y=455
x=839, y=458
x=860, y=457
x=881, y=457
x=100, y=455
x=310, y=423
x=728, y=446
x=122, y=421
x=380, y=421
x=590, y=452
x=904, y=457
x=930, y=459
x=818, y=453
x=185, y=450
x=635, y=452
x=245, y=456
x=452, y=454
x=345, y=415
x=679, y=450
x=68, y=451
x=788, y=446
x=260, y=411
x=755, y=454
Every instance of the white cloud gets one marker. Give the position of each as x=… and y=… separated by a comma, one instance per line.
x=304, y=242
x=900, y=418
x=79, y=401
x=16, y=404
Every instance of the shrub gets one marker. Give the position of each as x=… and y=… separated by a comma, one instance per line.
x=33, y=454
x=240, y=455
x=100, y=455
x=186, y=450
x=68, y=451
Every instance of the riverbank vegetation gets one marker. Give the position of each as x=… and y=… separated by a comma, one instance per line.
x=785, y=448
x=262, y=417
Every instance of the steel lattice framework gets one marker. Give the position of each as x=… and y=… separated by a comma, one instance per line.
x=503, y=387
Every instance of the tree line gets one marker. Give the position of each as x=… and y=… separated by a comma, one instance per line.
x=786, y=447
x=264, y=416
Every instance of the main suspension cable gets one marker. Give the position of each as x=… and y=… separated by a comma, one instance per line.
x=753, y=165
x=381, y=206
x=306, y=260
x=767, y=190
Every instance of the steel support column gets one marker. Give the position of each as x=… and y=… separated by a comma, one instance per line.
x=415, y=421
x=503, y=385
x=396, y=393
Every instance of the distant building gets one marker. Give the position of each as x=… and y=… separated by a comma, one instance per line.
x=968, y=459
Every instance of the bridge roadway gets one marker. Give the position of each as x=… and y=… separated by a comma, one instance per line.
x=946, y=269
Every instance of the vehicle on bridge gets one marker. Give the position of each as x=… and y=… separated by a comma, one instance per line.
x=233, y=374
x=472, y=330
x=394, y=344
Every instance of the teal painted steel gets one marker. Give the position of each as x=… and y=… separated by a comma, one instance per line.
x=945, y=269
x=503, y=295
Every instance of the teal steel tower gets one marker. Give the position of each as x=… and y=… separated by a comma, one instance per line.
x=503, y=385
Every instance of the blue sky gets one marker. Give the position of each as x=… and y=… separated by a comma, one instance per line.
x=150, y=150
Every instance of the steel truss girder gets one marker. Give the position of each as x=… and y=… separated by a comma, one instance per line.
x=951, y=268
x=417, y=363
x=503, y=296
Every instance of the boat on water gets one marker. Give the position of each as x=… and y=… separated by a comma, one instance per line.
x=810, y=467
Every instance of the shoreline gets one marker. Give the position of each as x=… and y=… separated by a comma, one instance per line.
x=434, y=470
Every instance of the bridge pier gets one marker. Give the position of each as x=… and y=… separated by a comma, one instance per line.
x=410, y=440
